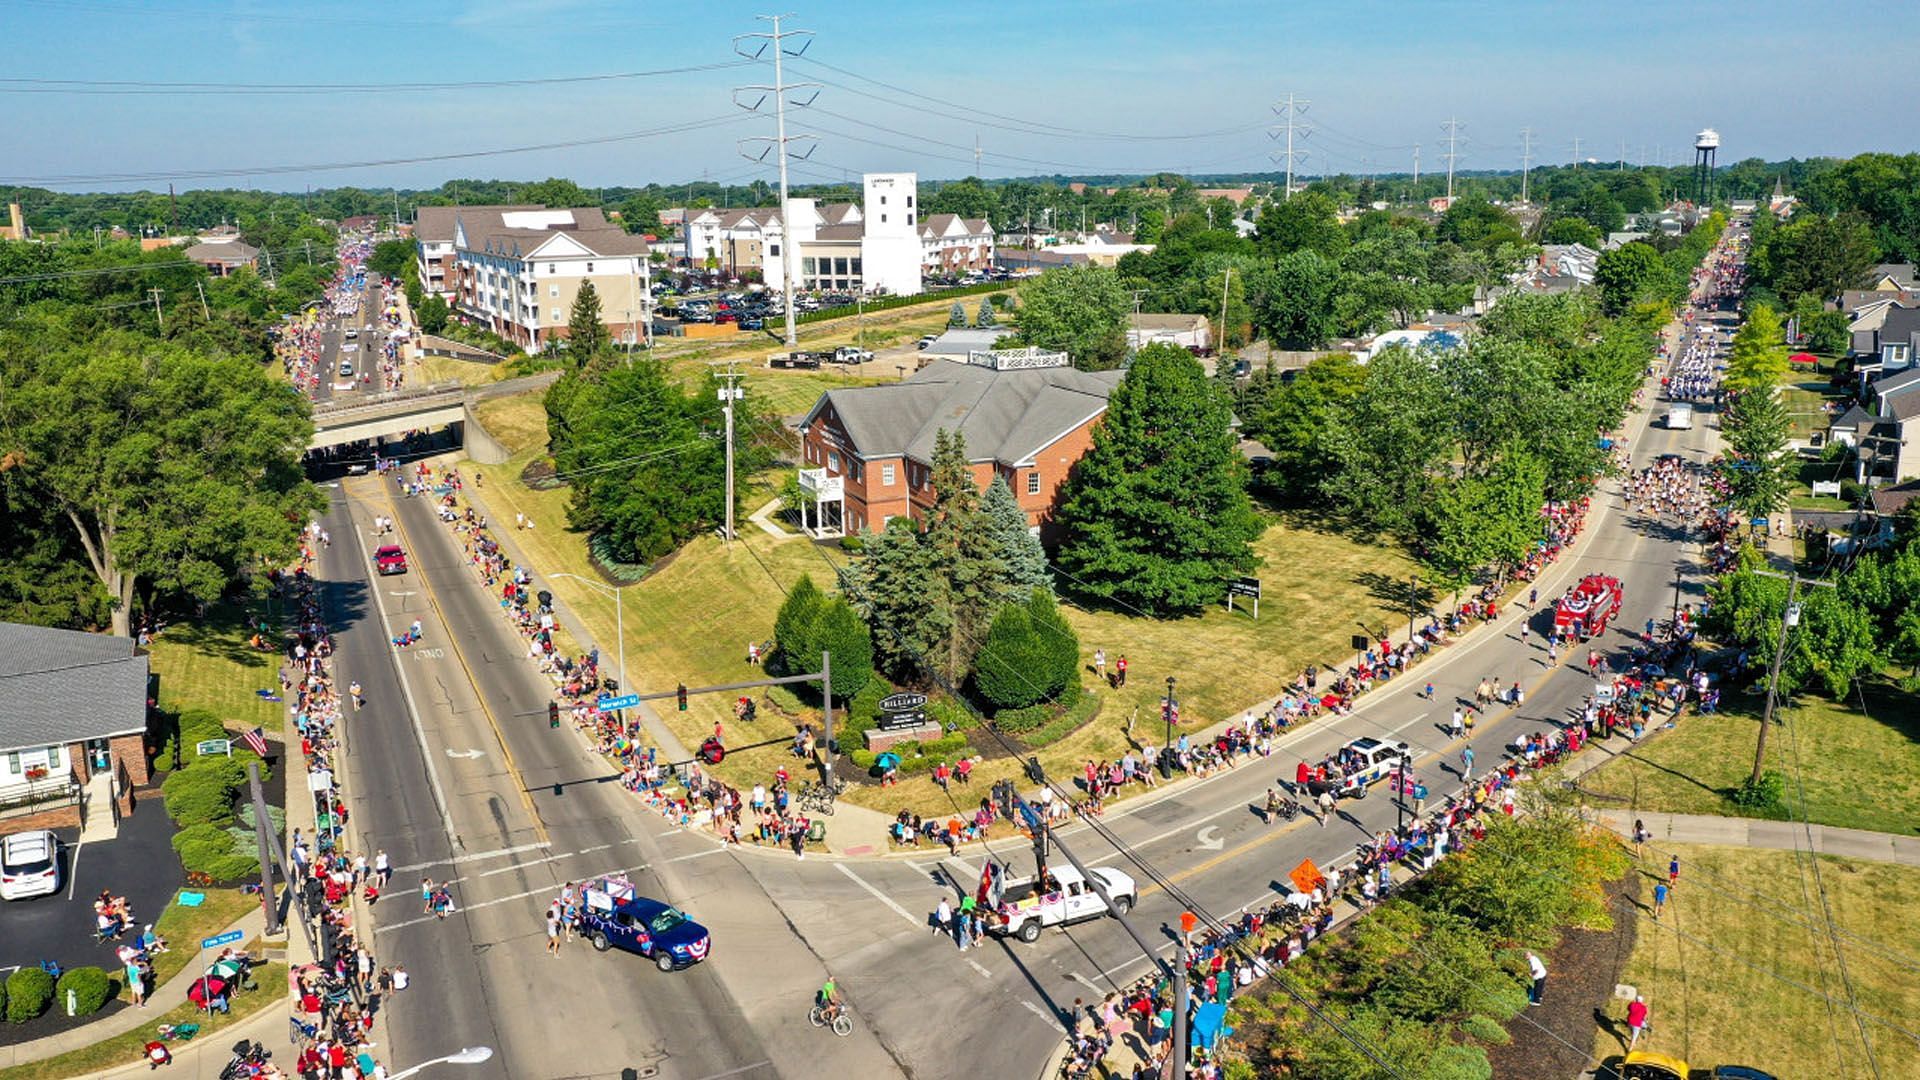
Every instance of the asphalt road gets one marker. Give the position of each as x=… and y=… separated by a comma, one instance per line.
x=1003, y=1006
x=528, y=809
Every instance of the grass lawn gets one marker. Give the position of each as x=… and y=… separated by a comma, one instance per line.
x=691, y=619
x=208, y=665
x=1861, y=770
x=183, y=928
x=128, y=1047
x=1711, y=1009
x=438, y=369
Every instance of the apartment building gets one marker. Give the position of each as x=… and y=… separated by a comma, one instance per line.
x=433, y=242
x=951, y=244
x=516, y=271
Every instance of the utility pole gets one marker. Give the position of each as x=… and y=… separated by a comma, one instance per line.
x=1138, y=295
x=976, y=154
x=1526, y=160
x=1289, y=110
x=1452, y=128
x=1789, y=618
x=308, y=245
x=1576, y=152
x=1622, y=167
x=264, y=848
x=173, y=209
x=775, y=41
x=157, y=313
x=1226, y=282
x=203, y=301
x=729, y=394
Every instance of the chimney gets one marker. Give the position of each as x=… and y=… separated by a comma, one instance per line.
x=16, y=222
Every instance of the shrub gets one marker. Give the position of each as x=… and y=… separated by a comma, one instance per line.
x=29, y=992
x=91, y=988
x=1485, y=1029
x=1767, y=795
x=1019, y=721
x=212, y=850
x=276, y=818
x=202, y=794
x=1076, y=716
x=1009, y=670
x=916, y=757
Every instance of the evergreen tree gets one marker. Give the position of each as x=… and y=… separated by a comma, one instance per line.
x=970, y=568
x=1019, y=549
x=793, y=626
x=1006, y=672
x=1156, y=515
x=586, y=335
x=985, y=316
x=1757, y=466
x=1059, y=666
x=838, y=632
x=896, y=587
x=957, y=316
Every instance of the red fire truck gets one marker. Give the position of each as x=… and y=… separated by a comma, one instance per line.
x=1588, y=607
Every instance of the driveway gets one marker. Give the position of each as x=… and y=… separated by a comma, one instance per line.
x=138, y=864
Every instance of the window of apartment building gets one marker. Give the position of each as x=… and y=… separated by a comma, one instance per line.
x=589, y=268
x=807, y=265
x=552, y=268
x=883, y=219
x=857, y=469
x=883, y=202
x=773, y=249
x=553, y=290
x=856, y=266
x=833, y=460
x=840, y=267
x=886, y=475
x=909, y=202
x=1033, y=482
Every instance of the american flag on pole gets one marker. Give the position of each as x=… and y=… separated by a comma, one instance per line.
x=256, y=741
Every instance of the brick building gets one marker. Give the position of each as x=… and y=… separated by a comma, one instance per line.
x=1027, y=415
x=73, y=725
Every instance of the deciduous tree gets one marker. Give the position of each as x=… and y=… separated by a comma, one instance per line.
x=1758, y=357
x=1080, y=309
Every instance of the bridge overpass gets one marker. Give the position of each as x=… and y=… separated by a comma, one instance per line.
x=400, y=411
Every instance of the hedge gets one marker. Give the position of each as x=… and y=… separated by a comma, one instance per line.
x=29, y=992
x=885, y=302
x=203, y=793
x=91, y=988
x=916, y=757
x=1071, y=703
x=212, y=850
x=1077, y=716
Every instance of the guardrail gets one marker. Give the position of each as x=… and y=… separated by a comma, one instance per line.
x=385, y=401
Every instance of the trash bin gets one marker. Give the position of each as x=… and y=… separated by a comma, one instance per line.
x=1166, y=764
x=816, y=832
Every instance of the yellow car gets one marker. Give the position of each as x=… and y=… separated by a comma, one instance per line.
x=1645, y=1065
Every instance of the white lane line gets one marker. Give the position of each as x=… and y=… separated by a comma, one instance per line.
x=596, y=847
x=697, y=855
x=478, y=856
x=877, y=894
x=1408, y=724
x=489, y=903
x=1052, y=1020
x=1086, y=982
x=918, y=868
x=413, y=714
x=977, y=966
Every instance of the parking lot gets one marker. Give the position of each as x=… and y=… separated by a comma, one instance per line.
x=138, y=864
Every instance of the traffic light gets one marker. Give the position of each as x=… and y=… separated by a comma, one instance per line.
x=553, y=714
x=683, y=697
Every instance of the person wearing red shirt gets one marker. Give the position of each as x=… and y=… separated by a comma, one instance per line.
x=1636, y=1020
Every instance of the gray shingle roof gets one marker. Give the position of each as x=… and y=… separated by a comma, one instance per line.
x=1005, y=416
x=62, y=686
x=1897, y=383
x=226, y=253
x=434, y=224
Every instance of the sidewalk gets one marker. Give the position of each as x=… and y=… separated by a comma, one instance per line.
x=1760, y=833
x=164, y=997
x=204, y=1057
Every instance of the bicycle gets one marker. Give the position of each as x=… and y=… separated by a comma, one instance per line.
x=835, y=1015
x=817, y=798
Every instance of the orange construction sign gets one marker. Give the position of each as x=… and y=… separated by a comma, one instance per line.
x=1306, y=876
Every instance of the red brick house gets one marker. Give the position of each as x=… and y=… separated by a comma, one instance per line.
x=73, y=720
x=1026, y=415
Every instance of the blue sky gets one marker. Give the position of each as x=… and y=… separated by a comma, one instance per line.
x=1043, y=85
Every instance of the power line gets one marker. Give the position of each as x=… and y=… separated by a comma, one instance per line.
x=1452, y=128
x=273, y=170
x=43, y=85
x=1526, y=160
x=776, y=40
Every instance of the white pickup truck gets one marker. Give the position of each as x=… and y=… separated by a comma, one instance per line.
x=1028, y=906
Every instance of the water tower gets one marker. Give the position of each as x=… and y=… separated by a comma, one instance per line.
x=1705, y=145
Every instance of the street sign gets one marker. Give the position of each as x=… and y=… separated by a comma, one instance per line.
x=218, y=940
x=902, y=710
x=902, y=702
x=213, y=746
x=624, y=701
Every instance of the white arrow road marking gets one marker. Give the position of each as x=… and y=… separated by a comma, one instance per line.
x=1209, y=839
x=468, y=754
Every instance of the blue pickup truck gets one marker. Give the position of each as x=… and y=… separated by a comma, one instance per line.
x=655, y=930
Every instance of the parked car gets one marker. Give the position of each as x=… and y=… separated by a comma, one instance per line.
x=1028, y=906
x=926, y=341
x=848, y=354
x=29, y=865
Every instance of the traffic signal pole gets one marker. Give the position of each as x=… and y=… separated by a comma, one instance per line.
x=824, y=677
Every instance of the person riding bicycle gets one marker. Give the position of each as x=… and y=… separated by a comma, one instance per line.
x=828, y=1000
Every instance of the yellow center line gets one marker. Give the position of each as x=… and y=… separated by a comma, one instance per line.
x=453, y=642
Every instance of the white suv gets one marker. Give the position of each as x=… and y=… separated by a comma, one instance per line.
x=29, y=865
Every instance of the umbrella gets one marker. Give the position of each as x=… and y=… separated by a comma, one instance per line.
x=224, y=969
x=1803, y=358
x=887, y=760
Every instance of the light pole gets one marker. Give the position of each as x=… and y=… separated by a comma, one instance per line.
x=472, y=1055
x=1166, y=713
x=619, y=622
